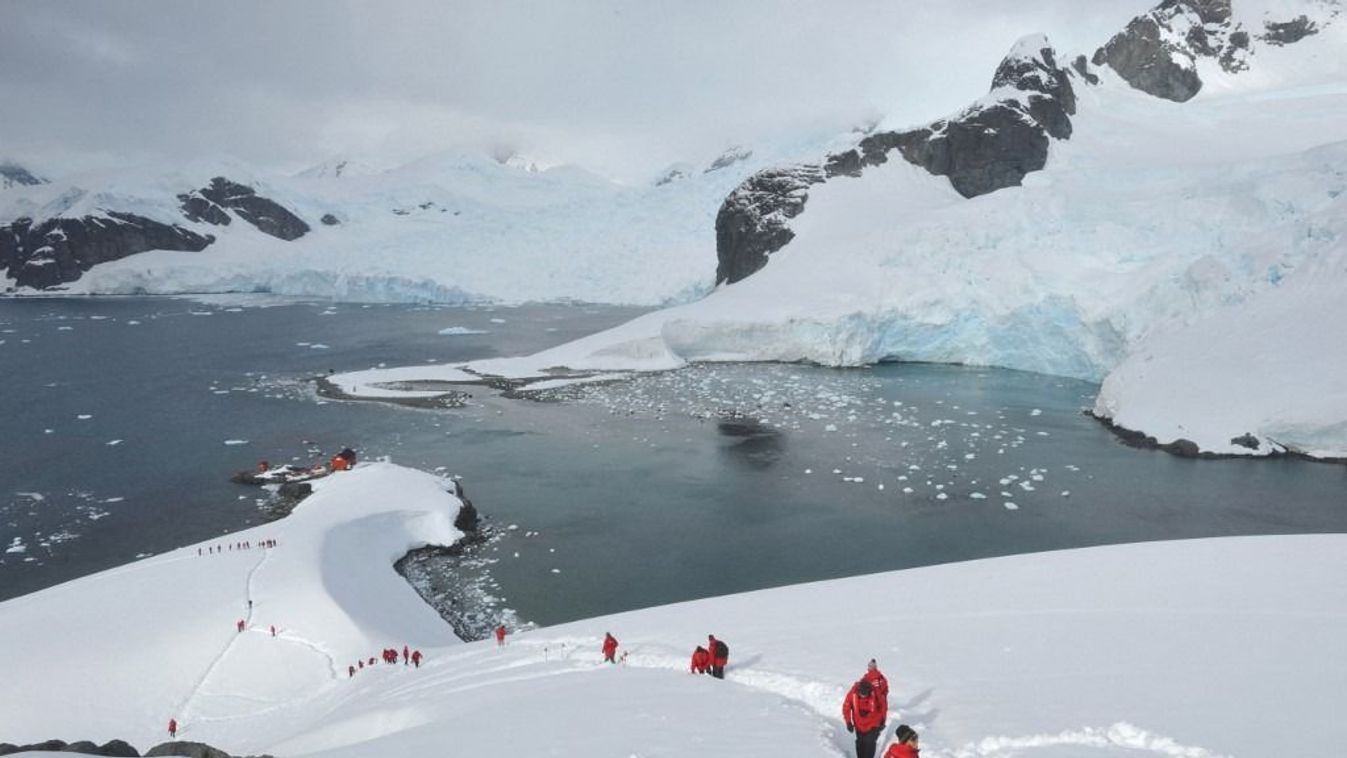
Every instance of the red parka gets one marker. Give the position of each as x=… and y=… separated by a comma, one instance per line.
x=716, y=660
x=899, y=750
x=878, y=681
x=865, y=712
x=701, y=661
x=609, y=646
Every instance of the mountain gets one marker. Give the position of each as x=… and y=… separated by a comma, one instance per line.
x=13, y=174
x=1069, y=223
x=336, y=168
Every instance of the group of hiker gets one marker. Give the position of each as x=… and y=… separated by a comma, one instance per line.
x=390, y=655
x=245, y=545
x=711, y=659
x=865, y=710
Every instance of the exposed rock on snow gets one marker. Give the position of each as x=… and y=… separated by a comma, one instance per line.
x=751, y=224
x=60, y=250
x=209, y=204
x=12, y=174
x=1288, y=32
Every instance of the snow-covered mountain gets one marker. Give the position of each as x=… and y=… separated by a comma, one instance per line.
x=14, y=175
x=1201, y=648
x=1176, y=173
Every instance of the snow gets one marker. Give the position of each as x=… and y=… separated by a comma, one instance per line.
x=1216, y=647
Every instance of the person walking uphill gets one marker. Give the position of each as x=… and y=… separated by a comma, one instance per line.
x=609, y=647
x=173, y=727
x=500, y=636
x=906, y=745
x=864, y=712
x=720, y=655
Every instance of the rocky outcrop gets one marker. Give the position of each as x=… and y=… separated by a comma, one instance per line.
x=60, y=250
x=751, y=223
x=989, y=146
x=209, y=205
x=12, y=175
x=729, y=158
x=111, y=747
x=1274, y=33
x=329, y=220
x=1159, y=51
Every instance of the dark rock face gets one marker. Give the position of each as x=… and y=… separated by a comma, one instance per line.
x=12, y=174
x=1147, y=62
x=1158, y=51
x=1279, y=34
x=189, y=749
x=990, y=146
x=1246, y=440
x=209, y=204
x=60, y=250
x=329, y=220
x=112, y=748
x=751, y=223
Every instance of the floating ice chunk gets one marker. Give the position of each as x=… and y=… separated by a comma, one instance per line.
x=236, y=442
x=1036, y=412
x=497, y=320
x=908, y=490
x=556, y=571
x=942, y=496
x=1066, y=493
x=84, y=416
x=1010, y=506
x=318, y=346
x=459, y=330
x=112, y=443
x=977, y=496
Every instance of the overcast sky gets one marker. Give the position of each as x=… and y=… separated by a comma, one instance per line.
x=621, y=87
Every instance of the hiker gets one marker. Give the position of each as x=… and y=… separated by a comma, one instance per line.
x=609, y=647
x=348, y=455
x=361, y=662
x=240, y=626
x=500, y=636
x=173, y=727
x=877, y=680
x=416, y=658
x=273, y=630
x=906, y=746
x=350, y=671
x=405, y=655
x=338, y=463
x=701, y=661
x=720, y=655
x=864, y=712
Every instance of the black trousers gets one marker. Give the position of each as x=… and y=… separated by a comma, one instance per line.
x=718, y=672
x=866, y=742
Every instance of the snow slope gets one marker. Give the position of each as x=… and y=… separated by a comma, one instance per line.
x=1224, y=647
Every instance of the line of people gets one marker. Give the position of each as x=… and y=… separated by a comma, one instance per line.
x=246, y=545
x=865, y=711
x=390, y=655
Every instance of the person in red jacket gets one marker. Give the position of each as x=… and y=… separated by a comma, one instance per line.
x=338, y=463
x=416, y=658
x=720, y=655
x=864, y=712
x=406, y=655
x=173, y=727
x=877, y=680
x=701, y=661
x=906, y=745
x=609, y=647
x=500, y=636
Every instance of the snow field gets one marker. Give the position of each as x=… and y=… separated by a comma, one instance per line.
x=1169, y=649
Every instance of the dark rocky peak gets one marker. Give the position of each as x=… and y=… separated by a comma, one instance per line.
x=1288, y=32
x=729, y=158
x=12, y=174
x=1031, y=66
x=1158, y=52
x=210, y=205
x=675, y=173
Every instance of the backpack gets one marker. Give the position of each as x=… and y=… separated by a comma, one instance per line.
x=722, y=650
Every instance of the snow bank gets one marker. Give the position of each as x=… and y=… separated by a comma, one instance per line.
x=1163, y=649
